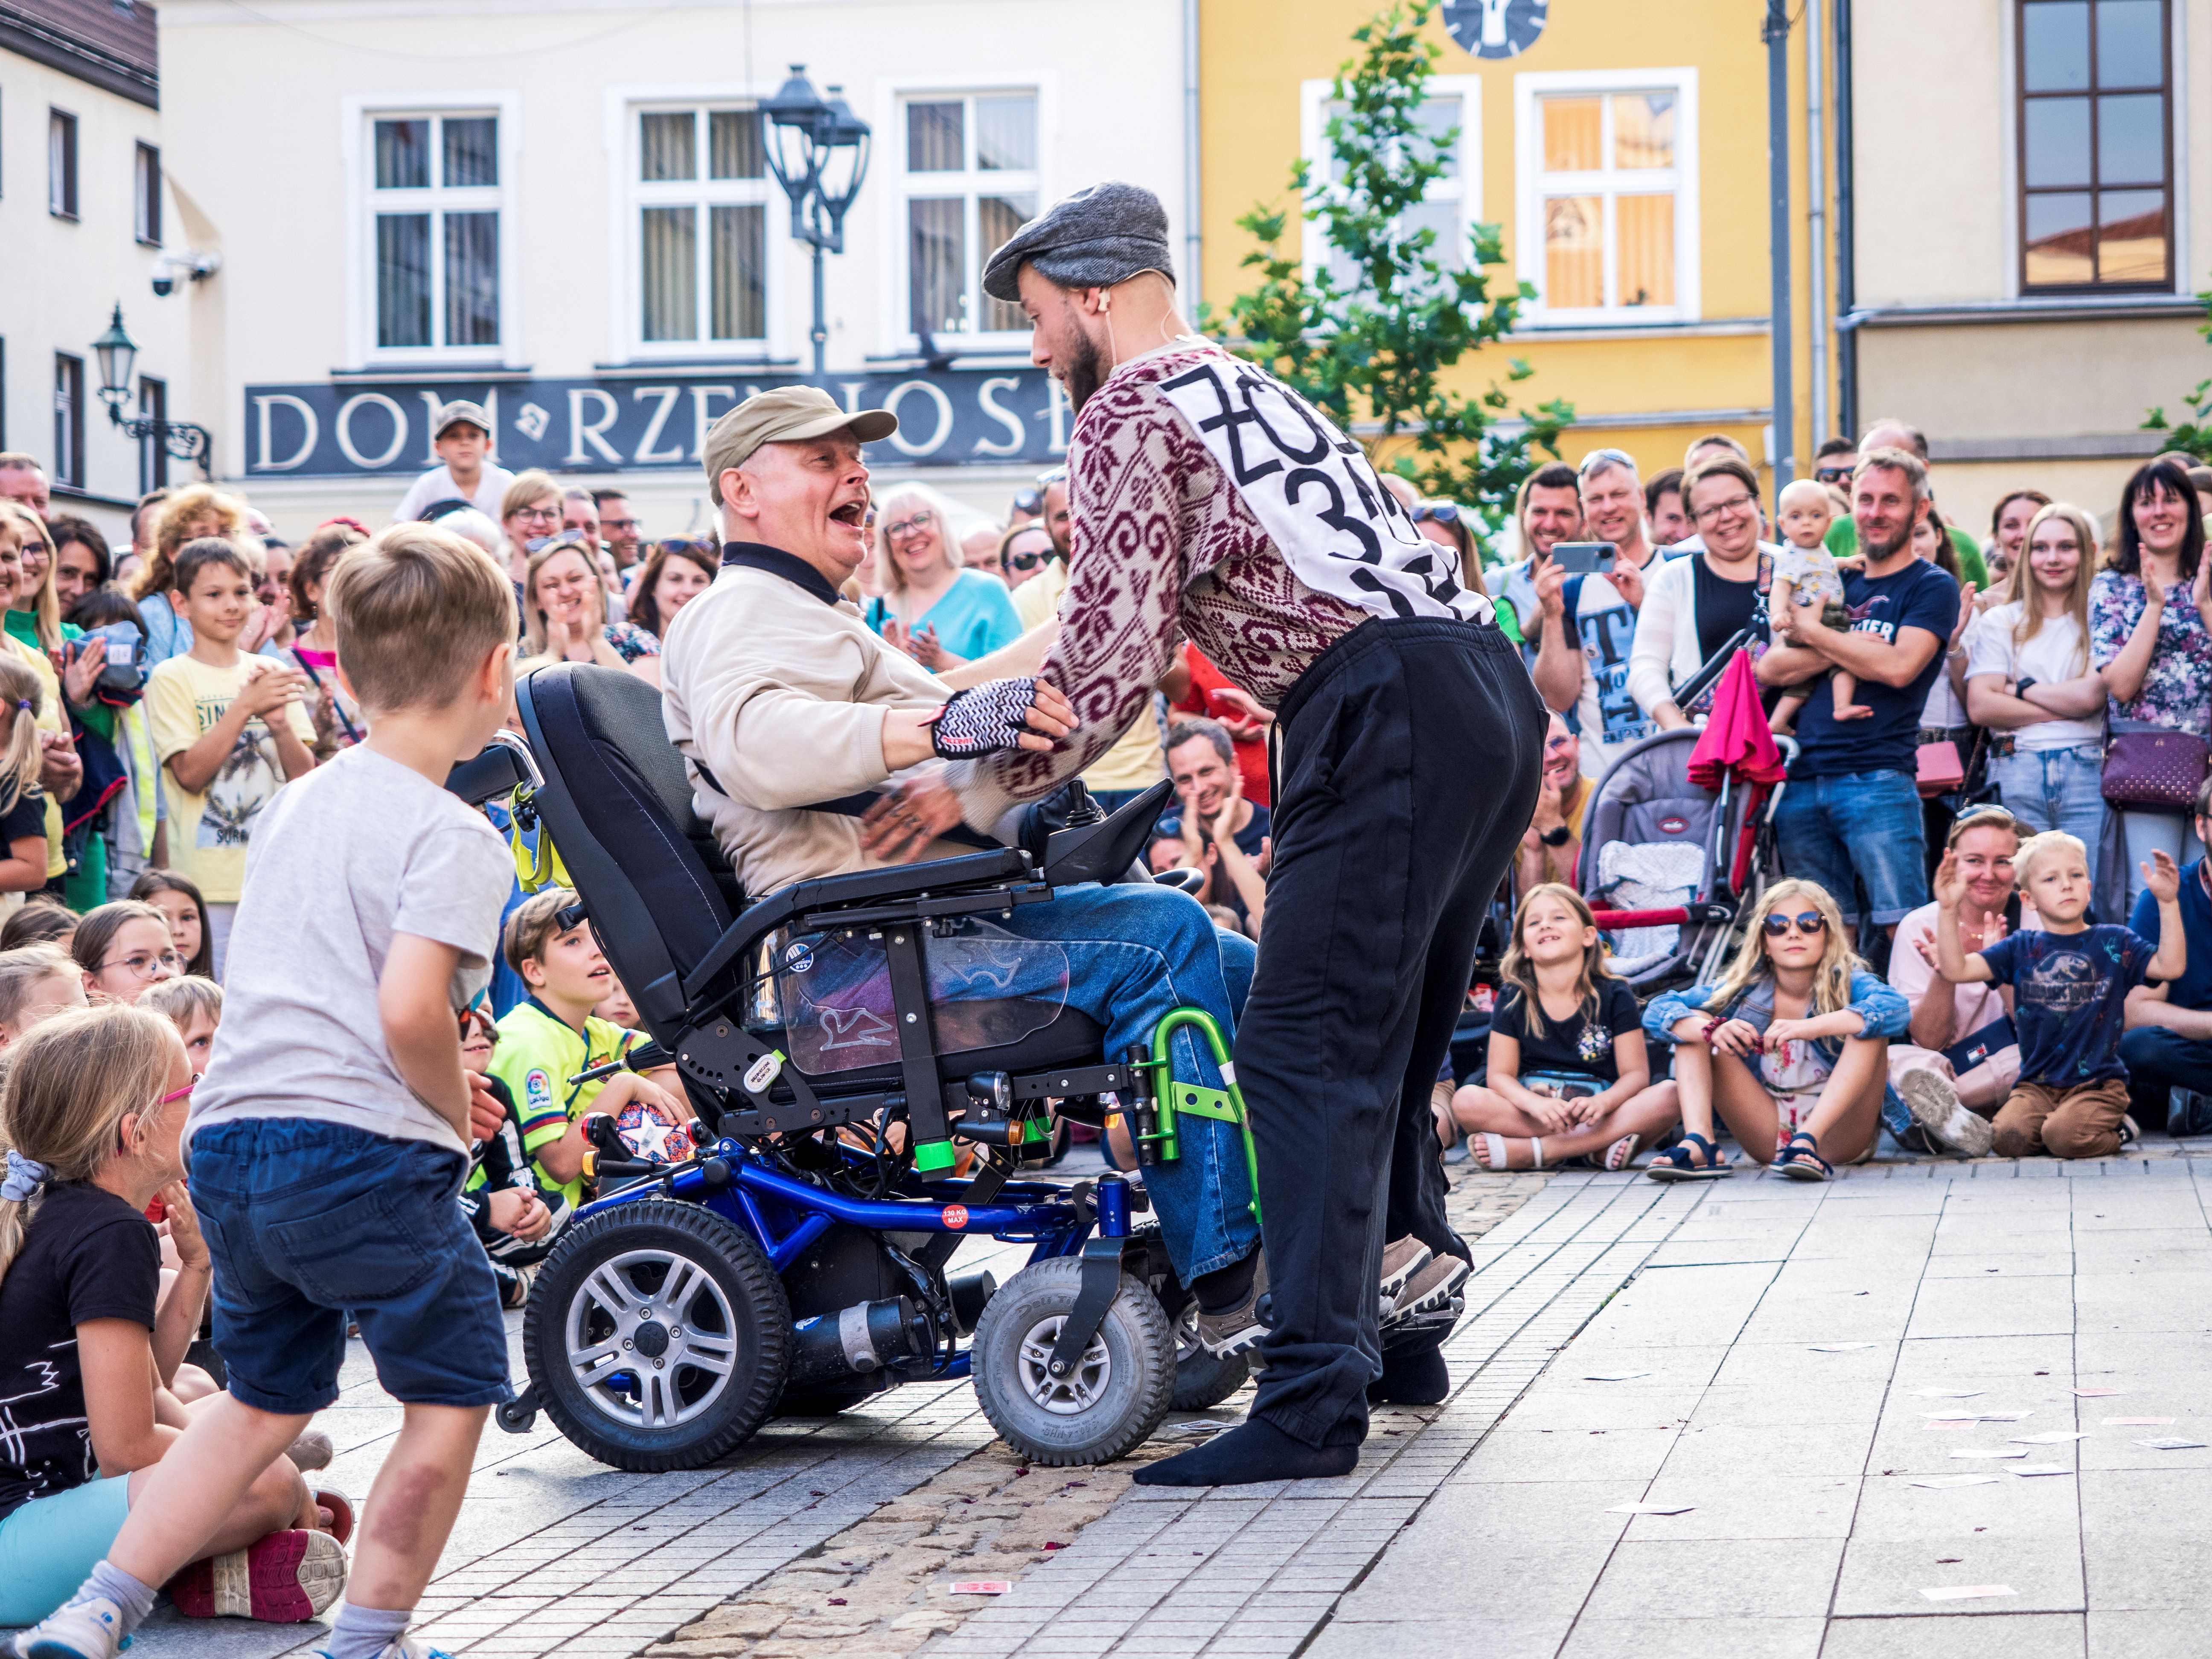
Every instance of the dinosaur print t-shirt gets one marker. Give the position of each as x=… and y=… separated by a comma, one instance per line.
x=208, y=832
x=2070, y=1002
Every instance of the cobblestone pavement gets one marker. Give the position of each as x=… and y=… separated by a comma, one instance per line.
x=1485, y=1521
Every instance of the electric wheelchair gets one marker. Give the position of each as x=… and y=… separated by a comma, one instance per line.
x=797, y=1263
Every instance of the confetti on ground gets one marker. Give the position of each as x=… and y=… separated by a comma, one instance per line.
x=1989, y=1451
x=2098, y=1394
x=1651, y=1509
x=1963, y=1592
x=2038, y=1468
x=2048, y=1437
x=983, y=1587
x=1956, y=1480
x=2169, y=1443
x=1839, y=1348
x=1613, y=1376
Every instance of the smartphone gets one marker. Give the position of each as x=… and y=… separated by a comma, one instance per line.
x=1584, y=557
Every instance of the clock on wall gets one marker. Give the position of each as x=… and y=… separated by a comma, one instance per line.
x=1496, y=28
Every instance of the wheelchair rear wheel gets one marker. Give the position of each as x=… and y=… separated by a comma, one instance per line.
x=1119, y=1393
x=658, y=1336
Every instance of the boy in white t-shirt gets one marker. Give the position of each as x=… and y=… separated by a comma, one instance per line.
x=461, y=434
x=1806, y=573
x=331, y=1131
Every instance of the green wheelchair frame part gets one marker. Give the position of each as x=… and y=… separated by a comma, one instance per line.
x=1170, y=1098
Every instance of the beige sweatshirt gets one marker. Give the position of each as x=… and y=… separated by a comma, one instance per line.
x=782, y=695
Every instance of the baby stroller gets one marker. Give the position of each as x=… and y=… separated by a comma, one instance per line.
x=796, y=1262
x=1671, y=867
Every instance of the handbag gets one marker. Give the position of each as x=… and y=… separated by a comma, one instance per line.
x=2160, y=770
x=1971, y=1050
x=1941, y=770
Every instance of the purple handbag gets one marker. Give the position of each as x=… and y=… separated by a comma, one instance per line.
x=2160, y=770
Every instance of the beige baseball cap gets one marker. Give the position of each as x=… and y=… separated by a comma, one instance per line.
x=454, y=413
x=788, y=414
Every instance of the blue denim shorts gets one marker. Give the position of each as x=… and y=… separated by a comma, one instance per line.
x=1857, y=828
x=310, y=1223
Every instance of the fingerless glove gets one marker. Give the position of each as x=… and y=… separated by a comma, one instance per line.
x=983, y=719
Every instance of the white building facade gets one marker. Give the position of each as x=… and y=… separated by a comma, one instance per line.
x=86, y=209
x=566, y=213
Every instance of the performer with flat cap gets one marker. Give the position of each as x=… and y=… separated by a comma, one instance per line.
x=1210, y=500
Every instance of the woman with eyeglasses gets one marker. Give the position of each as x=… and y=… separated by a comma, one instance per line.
x=122, y=948
x=1788, y=1047
x=1694, y=604
x=528, y=513
x=932, y=607
x=677, y=574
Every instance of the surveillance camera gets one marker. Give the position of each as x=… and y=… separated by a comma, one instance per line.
x=165, y=277
x=170, y=268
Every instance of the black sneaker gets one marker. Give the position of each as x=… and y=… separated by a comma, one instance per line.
x=2189, y=1112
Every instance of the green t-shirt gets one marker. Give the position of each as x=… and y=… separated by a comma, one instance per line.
x=537, y=1056
x=1843, y=542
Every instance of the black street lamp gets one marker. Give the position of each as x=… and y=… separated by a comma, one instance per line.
x=116, y=351
x=818, y=152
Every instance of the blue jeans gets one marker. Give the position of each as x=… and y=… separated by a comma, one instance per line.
x=1131, y=955
x=310, y=1223
x=2055, y=789
x=1860, y=827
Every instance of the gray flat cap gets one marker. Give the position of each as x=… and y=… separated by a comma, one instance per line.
x=1093, y=239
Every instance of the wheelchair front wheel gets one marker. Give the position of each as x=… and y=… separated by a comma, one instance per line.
x=1117, y=1395
x=658, y=1336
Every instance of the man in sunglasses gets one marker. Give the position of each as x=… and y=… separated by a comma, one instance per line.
x=1834, y=466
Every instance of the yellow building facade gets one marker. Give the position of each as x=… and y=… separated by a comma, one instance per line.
x=1623, y=150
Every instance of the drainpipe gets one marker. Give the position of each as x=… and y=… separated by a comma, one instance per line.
x=1775, y=33
x=1847, y=338
x=1816, y=219
x=1193, y=236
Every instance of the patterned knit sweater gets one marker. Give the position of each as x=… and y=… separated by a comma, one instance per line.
x=1163, y=547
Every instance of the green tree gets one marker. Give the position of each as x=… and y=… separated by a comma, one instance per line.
x=2195, y=435
x=1374, y=351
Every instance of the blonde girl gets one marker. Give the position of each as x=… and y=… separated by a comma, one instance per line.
x=22, y=803
x=34, y=616
x=90, y=1116
x=2029, y=680
x=1569, y=1080
x=186, y=516
x=1789, y=1046
x=37, y=981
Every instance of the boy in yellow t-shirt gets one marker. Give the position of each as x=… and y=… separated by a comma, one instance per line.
x=229, y=730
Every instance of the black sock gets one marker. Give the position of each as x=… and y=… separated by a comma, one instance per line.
x=1411, y=1377
x=1224, y=1287
x=1254, y=1450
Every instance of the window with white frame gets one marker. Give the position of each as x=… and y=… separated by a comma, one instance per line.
x=967, y=180
x=701, y=193
x=434, y=204
x=1607, y=170
x=1450, y=116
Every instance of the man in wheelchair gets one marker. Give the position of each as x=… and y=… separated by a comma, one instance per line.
x=792, y=715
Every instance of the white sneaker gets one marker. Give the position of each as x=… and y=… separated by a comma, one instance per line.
x=1942, y=1116
x=91, y=1629
x=404, y=1646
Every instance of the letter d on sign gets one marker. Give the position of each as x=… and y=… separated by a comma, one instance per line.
x=311, y=431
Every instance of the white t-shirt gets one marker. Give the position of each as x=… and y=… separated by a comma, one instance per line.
x=2056, y=653
x=1973, y=1007
x=360, y=848
x=1607, y=717
x=437, y=485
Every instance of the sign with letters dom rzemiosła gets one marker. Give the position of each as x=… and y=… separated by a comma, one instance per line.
x=326, y=429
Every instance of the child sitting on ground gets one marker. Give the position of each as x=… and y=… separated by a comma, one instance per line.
x=553, y=1036
x=37, y=981
x=177, y=898
x=1806, y=573
x=1568, y=1069
x=123, y=947
x=616, y=1007
x=90, y=1117
x=2071, y=982
x=194, y=1006
x=333, y=1132
x=40, y=920
x=514, y=1218
x=22, y=803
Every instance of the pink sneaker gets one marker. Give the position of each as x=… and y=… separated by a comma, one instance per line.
x=281, y=1579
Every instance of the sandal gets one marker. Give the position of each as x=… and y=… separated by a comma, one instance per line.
x=1674, y=1164
x=1495, y=1152
x=1803, y=1162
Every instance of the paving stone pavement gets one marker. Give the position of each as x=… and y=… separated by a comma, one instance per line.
x=1484, y=1524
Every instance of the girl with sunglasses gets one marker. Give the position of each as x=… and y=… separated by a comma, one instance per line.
x=90, y=1118
x=1789, y=1046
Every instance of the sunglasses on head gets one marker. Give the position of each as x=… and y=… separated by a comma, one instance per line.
x=1441, y=511
x=1805, y=921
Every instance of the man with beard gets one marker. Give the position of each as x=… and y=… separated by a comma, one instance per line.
x=1851, y=814
x=1209, y=500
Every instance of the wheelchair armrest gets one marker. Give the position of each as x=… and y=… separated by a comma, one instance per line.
x=1105, y=850
x=1003, y=868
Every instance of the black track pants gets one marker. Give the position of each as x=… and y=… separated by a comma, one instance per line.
x=1411, y=756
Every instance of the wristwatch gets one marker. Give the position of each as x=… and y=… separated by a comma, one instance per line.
x=2020, y=690
x=1558, y=838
